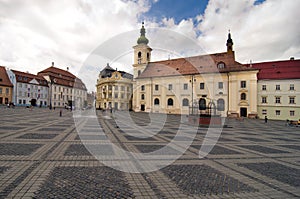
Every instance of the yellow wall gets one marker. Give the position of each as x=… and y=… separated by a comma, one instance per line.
x=5, y=95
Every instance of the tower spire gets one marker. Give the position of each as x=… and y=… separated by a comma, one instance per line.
x=142, y=39
x=229, y=43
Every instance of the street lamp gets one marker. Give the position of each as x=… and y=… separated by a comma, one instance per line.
x=192, y=80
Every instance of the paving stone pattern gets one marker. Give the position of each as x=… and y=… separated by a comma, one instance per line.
x=276, y=171
x=18, y=149
x=42, y=156
x=203, y=179
x=85, y=182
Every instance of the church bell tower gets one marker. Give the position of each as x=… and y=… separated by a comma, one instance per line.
x=142, y=53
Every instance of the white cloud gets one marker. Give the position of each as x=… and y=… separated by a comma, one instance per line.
x=35, y=33
x=268, y=31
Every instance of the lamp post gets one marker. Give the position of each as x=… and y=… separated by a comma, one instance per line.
x=192, y=80
x=51, y=83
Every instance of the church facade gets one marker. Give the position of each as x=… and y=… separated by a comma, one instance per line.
x=176, y=86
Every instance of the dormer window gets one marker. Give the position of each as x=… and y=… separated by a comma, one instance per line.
x=221, y=65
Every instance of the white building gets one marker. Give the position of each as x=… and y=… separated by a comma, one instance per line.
x=65, y=89
x=29, y=89
x=278, y=92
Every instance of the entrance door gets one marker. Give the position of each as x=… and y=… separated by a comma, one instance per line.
x=142, y=107
x=243, y=112
x=33, y=102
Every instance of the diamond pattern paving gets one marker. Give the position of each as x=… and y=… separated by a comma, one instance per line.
x=37, y=136
x=85, y=182
x=262, y=149
x=18, y=149
x=203, y=179
x=276, y=171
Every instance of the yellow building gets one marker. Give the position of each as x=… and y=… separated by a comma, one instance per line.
x=279, y=89
x=114, y=89
x=6, y=87
x=173, y=86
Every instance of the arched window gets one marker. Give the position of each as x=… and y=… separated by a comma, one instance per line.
x=156, y=101
x=139, y=57
x=243, y=96
x=170, y=102
x=185, y=102
x=202, y=104
x=220, y=105
x=142, y=96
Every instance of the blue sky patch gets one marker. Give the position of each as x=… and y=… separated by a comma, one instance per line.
x=177, y=9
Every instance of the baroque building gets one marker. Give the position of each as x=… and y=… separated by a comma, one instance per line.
x=6, y=87
x=114, y=89
x=29, y=89
x=278, y=92
x=65, y=89
x=173, y=86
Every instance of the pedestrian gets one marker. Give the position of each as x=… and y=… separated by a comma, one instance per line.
x=266, y=119
x=60, y=113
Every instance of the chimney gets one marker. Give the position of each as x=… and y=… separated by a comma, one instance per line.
x=292, y=58
x=250, y=63
x=52, y=64
x=67, y=68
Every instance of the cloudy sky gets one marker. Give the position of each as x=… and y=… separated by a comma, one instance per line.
x=79, y=33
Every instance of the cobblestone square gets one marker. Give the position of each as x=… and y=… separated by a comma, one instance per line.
x=43, y=155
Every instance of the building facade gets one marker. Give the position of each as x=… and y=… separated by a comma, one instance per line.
x=173, y=86
x=29, y=89
x=6, y=87
x=65, y=89
x=278, y=89
x=114, y=89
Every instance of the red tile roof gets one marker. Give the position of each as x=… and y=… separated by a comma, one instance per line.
x=193, y=65
x=62, y=77
x=27, y=77
x=4, y=79
x=287, y=69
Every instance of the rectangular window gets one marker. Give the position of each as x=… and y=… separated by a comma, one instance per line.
x=292, y=100
x=292, y=113
x=220, y=85
x=202, y=85
x=122, y=88
x=116, y=88
x=277, y=87
x=277, y=112
x=263, y=87
x=143, y=87
x=116, y=95
x=20, y=101
x=156, y=87
x=277, y=100
x=0, y=90
x=185, y=86
x=264, y=111
x=24, y=101
x=122, y=95
x=170, y=87
x=243, y=84
x=292, y=87
x=264, y=100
